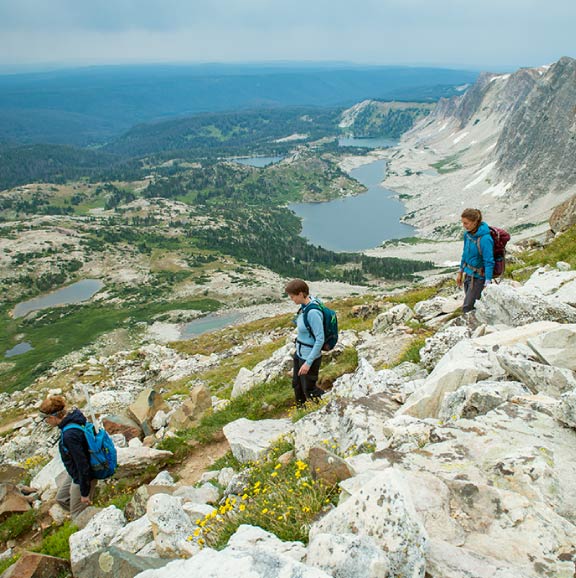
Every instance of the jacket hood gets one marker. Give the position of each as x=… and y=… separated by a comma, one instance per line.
x=483, y=229
x=75, y=416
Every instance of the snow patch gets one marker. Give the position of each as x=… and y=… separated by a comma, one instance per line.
x=443, y=127
x=460, y=137
x=292, y=137
x=498, y=190
x=482, y=173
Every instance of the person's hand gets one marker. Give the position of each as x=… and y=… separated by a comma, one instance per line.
x=304, y=369
x=487, y=282
x=85, y=500
x=459, y=279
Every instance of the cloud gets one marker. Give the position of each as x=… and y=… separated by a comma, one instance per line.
x=380, y=31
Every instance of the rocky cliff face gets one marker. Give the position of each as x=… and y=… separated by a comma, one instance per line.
x=507, y=146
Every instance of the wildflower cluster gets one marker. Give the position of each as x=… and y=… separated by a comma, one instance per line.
x=280, y=497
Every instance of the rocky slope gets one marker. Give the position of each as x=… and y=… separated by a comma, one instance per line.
x=437, y=462
x=507, y=146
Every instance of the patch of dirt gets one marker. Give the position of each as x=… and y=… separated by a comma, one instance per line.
x=200, y=459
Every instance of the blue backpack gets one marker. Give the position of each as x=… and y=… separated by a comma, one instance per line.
x=330, y=322
x=103, y=459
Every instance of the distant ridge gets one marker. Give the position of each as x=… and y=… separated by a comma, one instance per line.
x=93, y=105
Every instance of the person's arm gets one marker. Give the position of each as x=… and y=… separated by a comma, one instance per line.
x=75, y=443
x=317, y=326
x=460, y=274
x=487, y=244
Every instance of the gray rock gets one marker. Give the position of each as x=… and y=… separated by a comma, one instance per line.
x=503, y=304
x=45, y=480
x=384, y=510
x=479, y=398
x=566, y=413
x=245, y=381
x=134, y=536
x=249, y=440
x=347, y=424
x=366, y=381
x=32, y=565
x=190, y=413
x=397, y=315
x=254, y=563
x=537, y=377
x=132, y=460
x=206, y=494
x=467, y=362
x=348, y=556
x=445, y=560
x=95, y=537
x=440, y=343
x=171, y=526
x=113, y=562
x=163, y=479
x=557, y=347
x=143, y=410
x=248, y=537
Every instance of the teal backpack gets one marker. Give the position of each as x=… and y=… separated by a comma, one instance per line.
x=330, y=322
x=103, y=458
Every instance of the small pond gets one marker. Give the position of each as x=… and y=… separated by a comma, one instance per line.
x=75, y=293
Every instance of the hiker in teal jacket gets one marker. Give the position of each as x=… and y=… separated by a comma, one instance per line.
x=477, y=263
x=309, y=344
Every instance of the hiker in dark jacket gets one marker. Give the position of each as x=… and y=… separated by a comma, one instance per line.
x=477, y=263
x=76, y=490
x=308, y=355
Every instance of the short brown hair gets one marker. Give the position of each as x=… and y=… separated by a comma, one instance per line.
x=474, y=215
x=53, y=405
x=297, y=286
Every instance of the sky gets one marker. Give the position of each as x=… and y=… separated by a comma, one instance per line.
x=487, y=34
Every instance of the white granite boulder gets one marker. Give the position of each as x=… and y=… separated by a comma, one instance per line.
x=436, y=346
x=245, y=381
x=522, y=363
x=171, y=527
x=557, y=347
x=347, y=424
x=228, y=563
x=397, y=315
x=365, y=381
x=249, y=440
x=45, y=481
x=163, y=479
x=384, y=510
x=467, y=362
x=348, y=556
x=566, y=412
x=95, y=537
x=505, y=305
x=479, y=398
x=247, y=537
x=134, y=536
x=207, y=493
x=134, y=459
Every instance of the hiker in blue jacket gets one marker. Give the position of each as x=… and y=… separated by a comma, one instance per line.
x=76, y=490
x=477, y=263
x=308, y=355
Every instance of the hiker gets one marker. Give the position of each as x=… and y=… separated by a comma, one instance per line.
x=308, y=355
x=477, y=263
x=76, y=490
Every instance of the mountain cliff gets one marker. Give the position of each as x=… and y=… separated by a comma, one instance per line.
x=507, y=145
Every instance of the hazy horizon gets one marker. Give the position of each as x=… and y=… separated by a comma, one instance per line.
x=487, y=35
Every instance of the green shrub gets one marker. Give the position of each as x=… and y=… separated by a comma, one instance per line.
x=56, y=542
x=280, y=498
x=16, y=525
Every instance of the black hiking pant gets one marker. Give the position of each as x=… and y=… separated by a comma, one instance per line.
x=472, y=291
x=305, y=387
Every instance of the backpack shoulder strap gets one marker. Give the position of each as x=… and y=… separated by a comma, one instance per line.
x=69, y=427
x=72, y=426
x=312, y=305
